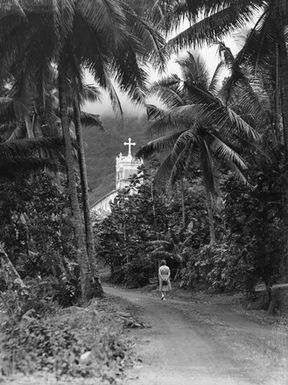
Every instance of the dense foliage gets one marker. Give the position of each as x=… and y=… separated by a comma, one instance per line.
x=38, y=235
x=146, y=227
x=58, y=342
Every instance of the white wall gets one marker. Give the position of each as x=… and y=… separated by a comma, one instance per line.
x=102, y=208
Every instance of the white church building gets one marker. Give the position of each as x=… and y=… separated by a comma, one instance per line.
x=126, y=166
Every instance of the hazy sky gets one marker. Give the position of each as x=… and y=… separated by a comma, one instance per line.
x=208, y=53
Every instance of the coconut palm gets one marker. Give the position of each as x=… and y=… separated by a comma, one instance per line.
x=214, y=19
x=265, y=43
x=92, y=94
x=115, y=36
x=205, y=131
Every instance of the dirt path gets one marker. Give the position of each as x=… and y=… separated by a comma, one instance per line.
x=194, y=343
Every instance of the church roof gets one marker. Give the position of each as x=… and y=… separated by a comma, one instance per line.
x=102, y=198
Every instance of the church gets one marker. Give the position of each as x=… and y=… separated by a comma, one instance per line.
x=126, y=167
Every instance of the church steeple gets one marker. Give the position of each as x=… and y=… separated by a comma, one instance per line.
x=126, y=166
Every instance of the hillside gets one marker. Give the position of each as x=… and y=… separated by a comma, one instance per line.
x=101, y=149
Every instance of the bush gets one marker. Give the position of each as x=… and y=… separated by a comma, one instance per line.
x=37, y=344
x=220, y=267
x=137, y=272
x=44, y=297
x=35, y=303
x=56, y=344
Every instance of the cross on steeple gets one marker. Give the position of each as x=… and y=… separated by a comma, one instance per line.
x=129, y=144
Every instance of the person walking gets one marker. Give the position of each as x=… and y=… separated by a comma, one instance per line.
x=164, y=279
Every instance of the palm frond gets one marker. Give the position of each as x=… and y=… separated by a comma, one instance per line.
x=169, y=91
x=113, y=96
x=158, y=145
x=91, y=93
x=257, y=46
x=210, y=109
x=154, y=112
x=253, y=104
x=183, y=115
x=131, y=77
x=194, y=70
x=63, y=16
x=213, y=27
x=241, y=127
x=161, y=127
x=175, y=163
x=180, y=164
x=225, y=153
x=25, y=146
x=88, y=119
x=214, y=83
x=153, y=44
x=163, y=172
x=233, y=167
x=186, y=137
x=161, y=121
x=12, y=167
x=199, y=95
x=225, y=54
x=104, y=16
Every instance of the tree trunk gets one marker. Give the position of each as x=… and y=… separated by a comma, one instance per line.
x=97, y=288
x=29, y=127
x=210, y=217
x=11, y=275
x=183, y=204
x=278, y=107
x=153, y=207
x=72, y=190
x=283, y=74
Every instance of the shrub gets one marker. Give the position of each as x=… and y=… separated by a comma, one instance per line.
x=220, y=267
x=137, y=272
x=56, y=344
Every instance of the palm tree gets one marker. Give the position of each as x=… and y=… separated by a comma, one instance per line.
x=123, y=59
x=92, y=94
x=266, y=43
x=213, y=19
x=115, y=37
x=205, y=133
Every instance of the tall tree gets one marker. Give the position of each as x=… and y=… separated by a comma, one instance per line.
x=91, y=93
x=204, y=130
x=115, y=37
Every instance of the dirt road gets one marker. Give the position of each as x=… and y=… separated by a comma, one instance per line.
x=194, y=343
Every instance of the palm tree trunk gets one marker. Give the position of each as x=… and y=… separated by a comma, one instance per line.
x=278, y=108
x=153, y=207
x=72, y=190
x=283, y=74
x=97, y=288
x=29, y=127
x=183, y=204
x=210, y=217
